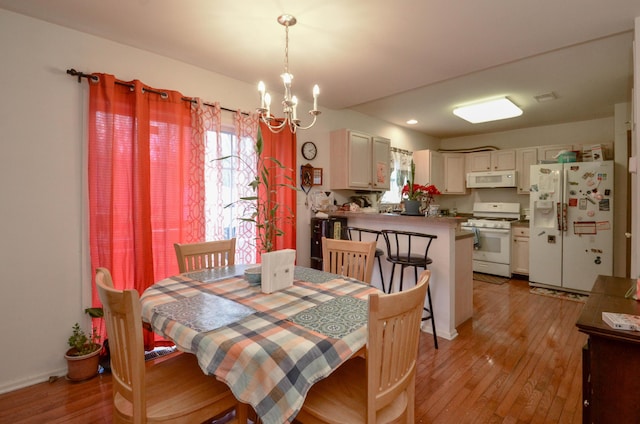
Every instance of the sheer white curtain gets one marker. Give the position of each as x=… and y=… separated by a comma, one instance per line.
x=400, y=167
x=228, y=179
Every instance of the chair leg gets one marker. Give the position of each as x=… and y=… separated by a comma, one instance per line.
x=431, y=317
x=393, y=269
x=381, y=275
x=402, y=267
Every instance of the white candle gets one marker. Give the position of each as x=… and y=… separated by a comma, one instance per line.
x=316, y=91
x=261, y=89
x=267, y=101
x=294, y=100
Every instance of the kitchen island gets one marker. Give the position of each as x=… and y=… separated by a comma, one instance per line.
x=452, y=274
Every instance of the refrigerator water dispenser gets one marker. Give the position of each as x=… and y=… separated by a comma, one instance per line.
x=543, y=216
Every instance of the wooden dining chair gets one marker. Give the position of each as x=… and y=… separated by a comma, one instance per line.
x=349, y=258
x=174, y=389
x=208, y=254
x=381, y=387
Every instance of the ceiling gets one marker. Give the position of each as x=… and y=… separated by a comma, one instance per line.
x=391, y=60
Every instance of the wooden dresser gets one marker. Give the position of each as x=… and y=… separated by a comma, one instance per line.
x=611, y=358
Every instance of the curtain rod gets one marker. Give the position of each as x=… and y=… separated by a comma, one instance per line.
x=81, y=75
x=395, y=149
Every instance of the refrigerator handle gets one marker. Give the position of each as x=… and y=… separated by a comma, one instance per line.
x=565, y=195
x=558, y=215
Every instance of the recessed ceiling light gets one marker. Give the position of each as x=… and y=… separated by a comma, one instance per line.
x=491, y=110
x=412, y=122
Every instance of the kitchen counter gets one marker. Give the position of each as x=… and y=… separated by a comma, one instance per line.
x=452, y=270
x=395, y=217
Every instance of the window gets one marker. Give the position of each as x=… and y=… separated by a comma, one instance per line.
x=226, y=180
x=400, y=168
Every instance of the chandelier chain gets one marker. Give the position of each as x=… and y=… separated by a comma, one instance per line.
x=286, y=49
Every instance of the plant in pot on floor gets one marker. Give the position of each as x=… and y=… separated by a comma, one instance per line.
x=83, y=356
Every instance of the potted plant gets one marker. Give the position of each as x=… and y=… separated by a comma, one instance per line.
x=83, y=356
x=415, y=194
x=262, y=209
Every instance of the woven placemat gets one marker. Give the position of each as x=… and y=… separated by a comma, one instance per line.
x=335, y=318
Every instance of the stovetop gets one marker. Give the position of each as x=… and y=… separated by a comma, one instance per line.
x=503, y=223
x=493, y=215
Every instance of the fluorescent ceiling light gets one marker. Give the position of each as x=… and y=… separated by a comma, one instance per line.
x=492, y=110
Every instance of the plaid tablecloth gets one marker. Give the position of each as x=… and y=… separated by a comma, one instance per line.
x=269, y=358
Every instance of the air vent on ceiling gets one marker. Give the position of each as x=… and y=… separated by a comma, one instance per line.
x=546, y=97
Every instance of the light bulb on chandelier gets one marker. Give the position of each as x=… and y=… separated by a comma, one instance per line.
x=289, y=103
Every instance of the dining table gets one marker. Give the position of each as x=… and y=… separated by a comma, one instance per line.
x=269, y=348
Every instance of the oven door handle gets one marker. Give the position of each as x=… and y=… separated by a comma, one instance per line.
x=494, y=230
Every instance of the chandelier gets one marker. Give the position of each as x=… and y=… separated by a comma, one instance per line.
x=289, y=103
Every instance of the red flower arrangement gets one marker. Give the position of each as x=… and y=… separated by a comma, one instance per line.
x=419, y=192
x=416, y=191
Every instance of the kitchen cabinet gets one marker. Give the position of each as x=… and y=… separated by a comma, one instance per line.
x=524, y=159
x=520, y=250
x=495, y=160
x=359, y=161
x=444, y=170
x=548, y=152
x=454, y=177
x=429, y=168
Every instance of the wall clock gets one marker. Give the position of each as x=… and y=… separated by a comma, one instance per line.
x=309, y=150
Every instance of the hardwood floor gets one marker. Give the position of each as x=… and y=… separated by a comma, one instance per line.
x=518, y=360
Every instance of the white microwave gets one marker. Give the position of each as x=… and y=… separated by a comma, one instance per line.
x=491, y=179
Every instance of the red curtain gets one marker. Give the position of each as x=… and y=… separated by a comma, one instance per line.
x=141, y=163
x=282, y=146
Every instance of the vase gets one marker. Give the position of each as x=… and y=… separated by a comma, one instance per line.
x=412, y=207
x=84, y=367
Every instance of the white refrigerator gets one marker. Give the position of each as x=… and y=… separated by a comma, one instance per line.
x=571, y=224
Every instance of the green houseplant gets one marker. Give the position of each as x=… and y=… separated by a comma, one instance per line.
x=262, y=208
x=83, y=356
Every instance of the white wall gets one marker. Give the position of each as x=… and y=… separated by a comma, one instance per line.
x=635, y=151
x=583, y=132
x=43, y=254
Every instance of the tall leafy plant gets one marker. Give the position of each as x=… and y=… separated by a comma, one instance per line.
x=262, y=208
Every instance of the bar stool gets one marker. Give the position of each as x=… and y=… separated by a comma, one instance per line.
x=355, y=233
x=401, y=250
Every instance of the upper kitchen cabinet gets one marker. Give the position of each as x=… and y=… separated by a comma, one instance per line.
x=496, y=160
x=444, y=170
x=525, y=157
x=454, y=176
x=549, y=152
x=429, y=168
x=359, y=161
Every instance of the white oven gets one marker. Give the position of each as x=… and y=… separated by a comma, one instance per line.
x=493, y=254
x=491, y=225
